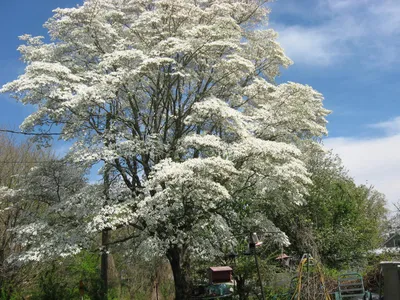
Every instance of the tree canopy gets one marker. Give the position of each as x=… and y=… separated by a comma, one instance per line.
x=178, y=100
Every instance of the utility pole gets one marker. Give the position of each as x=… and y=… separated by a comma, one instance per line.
x=253, y=243
x=105, y=237
x=259, y=275
x=104, y=263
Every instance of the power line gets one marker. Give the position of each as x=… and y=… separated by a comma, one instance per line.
x=59, y=161
x=30, y=133
x=26, y=162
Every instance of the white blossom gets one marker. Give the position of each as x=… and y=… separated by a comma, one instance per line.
x=177, y=98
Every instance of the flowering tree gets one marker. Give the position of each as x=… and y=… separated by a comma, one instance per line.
x=15, y=159
x=178, y=99
x=55, y=188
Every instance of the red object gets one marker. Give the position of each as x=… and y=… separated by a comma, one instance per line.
x=220, y=274
x=282, y=256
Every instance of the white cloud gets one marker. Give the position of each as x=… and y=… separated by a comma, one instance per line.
x=335, y=30
x=387, y=17
x=319, y=45
x=340, y=5
x=375, y=161
x=309, y=46
x=391, y=127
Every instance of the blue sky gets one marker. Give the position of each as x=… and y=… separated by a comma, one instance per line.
x=18, y=17
x=346, y=49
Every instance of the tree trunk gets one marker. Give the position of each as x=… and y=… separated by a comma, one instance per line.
x=180, y=267
x=104, y=264
x=2, y=257
x=241, y=288
x=105, y=233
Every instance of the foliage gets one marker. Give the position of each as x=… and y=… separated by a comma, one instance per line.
x=8, y=292
x=61, y=279
x=393, y=225
x=16, y=159
x=50, y=287
x=340, y=220
x=85, y=268
x=54, y=188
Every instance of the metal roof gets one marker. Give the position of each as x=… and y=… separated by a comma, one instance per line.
x=216, y=269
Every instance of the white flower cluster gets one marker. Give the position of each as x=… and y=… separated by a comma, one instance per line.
x=176, y=98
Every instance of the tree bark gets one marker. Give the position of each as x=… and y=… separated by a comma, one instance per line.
x=104, y=264
x=241, y=288
x=180, y=267
x=105, y=233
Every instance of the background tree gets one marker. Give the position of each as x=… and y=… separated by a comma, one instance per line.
x=341, y=221
x=16, y=159
x=394, y=221
x=178, y=99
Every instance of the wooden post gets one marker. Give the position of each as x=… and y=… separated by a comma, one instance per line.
x=104, y=264
x=105, y=237
x=259, y=274
x=81, y=289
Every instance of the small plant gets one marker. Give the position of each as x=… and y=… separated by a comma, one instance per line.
x=7, y=292
x=49, y=288
x=167, y=289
